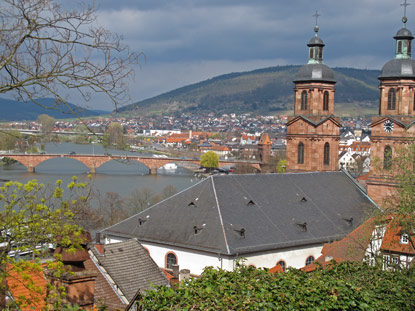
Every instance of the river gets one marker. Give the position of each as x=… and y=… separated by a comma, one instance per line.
x=113, y=176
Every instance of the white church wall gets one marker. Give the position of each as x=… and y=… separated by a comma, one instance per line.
x=196, y=261
x=293, y=257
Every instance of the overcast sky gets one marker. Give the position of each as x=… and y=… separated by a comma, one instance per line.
x=187, y=41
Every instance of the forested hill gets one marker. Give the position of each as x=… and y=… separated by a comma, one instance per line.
x=12, y=110
x=268, y=90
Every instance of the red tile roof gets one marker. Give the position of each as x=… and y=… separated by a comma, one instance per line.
x=351, y=248
x=392, y=240
x=28, y=287
x=276, y=269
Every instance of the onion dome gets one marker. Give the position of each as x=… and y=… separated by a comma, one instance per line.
x=315, y=70
x=402, y=66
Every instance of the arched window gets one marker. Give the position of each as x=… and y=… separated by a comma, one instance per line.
x=399, y=47
x=282, y=264
x=392, y=99
x=171, y=260
x=309, y=260
x=326, y=154
x=387, y=158
x=326, y=101
x=304, y=100
x=300, y=159
x=311, y=53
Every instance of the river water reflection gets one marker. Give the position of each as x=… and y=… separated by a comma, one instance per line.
x=113, y=176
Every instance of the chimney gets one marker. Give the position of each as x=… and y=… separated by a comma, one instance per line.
x=184, y=274
x=190, y=134
x=98, y=237
x=176, y=273
x=79, y=287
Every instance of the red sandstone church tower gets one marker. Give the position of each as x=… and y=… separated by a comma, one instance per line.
x=394, y=126
x=313, y=132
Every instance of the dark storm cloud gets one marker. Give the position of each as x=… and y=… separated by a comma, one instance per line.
x=187, y=41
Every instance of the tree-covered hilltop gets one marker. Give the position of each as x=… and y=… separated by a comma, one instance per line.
x=13, y=110
x=345, y=286
x=268, y=90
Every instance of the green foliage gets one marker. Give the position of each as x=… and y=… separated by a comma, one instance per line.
x=8, y=139
x=346, y=286
x=282, y=166
x=114, y=136
x=209, y=159
x=402, y=203
x=32, y=217
x=47, y=123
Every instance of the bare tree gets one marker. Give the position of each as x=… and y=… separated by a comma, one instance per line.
x=47, y=123
x=45, y=49
x=141, y=199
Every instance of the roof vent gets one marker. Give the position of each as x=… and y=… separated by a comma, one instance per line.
x=192, y=204
x=242, y=233
x=303, y=226
x=141, y=221
x=303, y=199
x=197, y=229
x=250, y=203
x=349, y=221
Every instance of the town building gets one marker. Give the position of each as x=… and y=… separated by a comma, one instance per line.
x=394, y=127
x=265, y=218
x=313, y=132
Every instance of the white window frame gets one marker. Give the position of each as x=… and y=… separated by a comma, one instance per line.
x=404, y=238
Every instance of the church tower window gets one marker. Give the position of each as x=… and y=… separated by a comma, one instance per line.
x=399, y=47
x=392, y=99
x=326, y=154
x=387, y=158
x=304, y=99
x=300, y=153
x=326, y=101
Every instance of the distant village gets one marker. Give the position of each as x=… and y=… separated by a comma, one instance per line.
x=230, y=136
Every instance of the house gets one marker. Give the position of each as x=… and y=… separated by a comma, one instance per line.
x=124, y=269
x=264, y=218
x=381, y=238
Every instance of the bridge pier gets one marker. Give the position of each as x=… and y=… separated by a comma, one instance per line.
x=153, y=170
x=30, y=169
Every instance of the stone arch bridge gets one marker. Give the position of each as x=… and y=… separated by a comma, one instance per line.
x=95, y=161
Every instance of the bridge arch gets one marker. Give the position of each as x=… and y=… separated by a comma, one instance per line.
x=30, y=161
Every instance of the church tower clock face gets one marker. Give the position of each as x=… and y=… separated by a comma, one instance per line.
x=388, y=126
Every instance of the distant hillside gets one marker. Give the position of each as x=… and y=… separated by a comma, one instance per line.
x=12, y=110
x=268, y=90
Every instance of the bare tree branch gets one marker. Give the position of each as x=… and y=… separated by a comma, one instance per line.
x=45, y=48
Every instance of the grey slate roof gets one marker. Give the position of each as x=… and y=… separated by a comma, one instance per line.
x=316, y=41
x=403, y=33
x=237, y=214
x=398, y=68
x=315, y=72
x=130, y=266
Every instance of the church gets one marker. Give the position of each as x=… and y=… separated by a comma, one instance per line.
x=313, y=132
x=285, y=219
